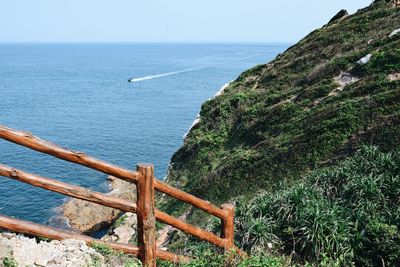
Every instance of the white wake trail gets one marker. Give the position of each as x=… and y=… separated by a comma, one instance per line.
x=150, y=77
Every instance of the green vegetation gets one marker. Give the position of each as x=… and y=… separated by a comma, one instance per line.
x=387, y=61
x=118, y=222
x=42, y=239
x=204, y=255
x=9, y=262
x=282, y=142
x=344, y=215
x=114, y=258
x=349, y=213
x=278, y=121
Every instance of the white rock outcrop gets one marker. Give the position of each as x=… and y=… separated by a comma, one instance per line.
x=365, y=59
x=126, y=229
x=393, y=33
x=345, y=79
x=27, y=251
x=222, y=89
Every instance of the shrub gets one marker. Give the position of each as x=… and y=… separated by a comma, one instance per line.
x=10, y=262
x=381, y=62
x=343, y=214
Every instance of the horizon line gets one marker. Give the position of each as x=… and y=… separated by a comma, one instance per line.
x=147, y=42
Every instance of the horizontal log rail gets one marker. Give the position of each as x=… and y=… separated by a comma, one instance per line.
x=105, y=200
x=28, y=140
x=67, y=189
x=30, y=228
x=146, y=212
x=190, y=229
x=190, y=199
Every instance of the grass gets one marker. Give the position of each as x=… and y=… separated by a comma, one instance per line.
x=113, y=258
x=119, y=222
x=204, y=255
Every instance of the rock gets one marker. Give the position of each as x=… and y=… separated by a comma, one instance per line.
x=165, y=233
x=27, y=252
x=125, y=230
x=365, y=59
x=342, y=13
x=394, y=33
x=345, y=79
x=394, y=77
x=89, y=217
x=8, y=235
x=41, y=262
x=222, y=89
x=5, y=248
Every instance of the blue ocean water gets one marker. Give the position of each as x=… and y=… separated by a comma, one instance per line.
x=78, y=96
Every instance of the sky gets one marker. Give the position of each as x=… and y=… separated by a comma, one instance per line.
x=261, y=21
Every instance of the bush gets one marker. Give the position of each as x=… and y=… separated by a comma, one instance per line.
x=345, y=214
x=211, y=258
x=10, y=262
x=381, y=62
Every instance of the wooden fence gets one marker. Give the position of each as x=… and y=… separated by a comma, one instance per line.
x=147, y=214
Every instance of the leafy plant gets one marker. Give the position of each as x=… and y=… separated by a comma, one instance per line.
x=347, y=213
x=10, y=262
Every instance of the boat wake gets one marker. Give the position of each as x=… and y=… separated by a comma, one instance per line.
x=151, y=77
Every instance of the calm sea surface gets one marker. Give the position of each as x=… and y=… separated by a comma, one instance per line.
x=78, y=96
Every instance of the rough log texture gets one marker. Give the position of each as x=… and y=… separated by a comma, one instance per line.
x=67, y=189
x=30, y=228
x=35, y=143
x=113, y=202
x=228, y=226
x=190, y=199
x=190, y=229
x=28, y=140
x=146, y=225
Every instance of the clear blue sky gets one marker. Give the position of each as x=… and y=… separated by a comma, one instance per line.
x=165, y=20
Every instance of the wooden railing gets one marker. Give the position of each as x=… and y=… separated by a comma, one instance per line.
x=145, y=209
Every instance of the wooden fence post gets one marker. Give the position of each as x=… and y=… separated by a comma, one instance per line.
x=146, y=220
x=228, y=226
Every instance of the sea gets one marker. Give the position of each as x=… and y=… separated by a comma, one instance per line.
x=78, y=96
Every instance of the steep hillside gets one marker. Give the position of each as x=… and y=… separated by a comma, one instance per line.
x=343, y=215
x=310, y=107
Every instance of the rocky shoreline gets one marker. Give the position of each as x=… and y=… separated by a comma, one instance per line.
x=88, y=218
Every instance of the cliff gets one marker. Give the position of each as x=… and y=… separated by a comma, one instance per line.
x=306, y=147
x=313, y=105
